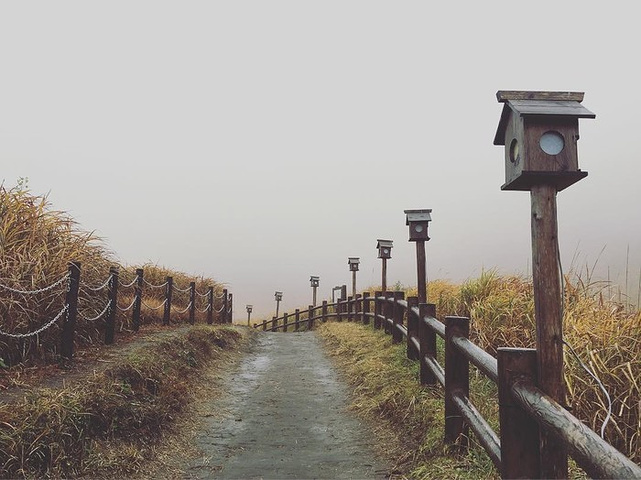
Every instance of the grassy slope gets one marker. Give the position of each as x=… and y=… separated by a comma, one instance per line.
x=112, y=423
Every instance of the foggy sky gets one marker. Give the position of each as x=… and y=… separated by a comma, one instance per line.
x=259, y=143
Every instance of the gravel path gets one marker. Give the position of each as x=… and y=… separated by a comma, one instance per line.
x=284, y=417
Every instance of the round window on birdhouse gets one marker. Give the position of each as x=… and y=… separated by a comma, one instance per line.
x=552, y=142
x=418, y=228
x=515, y=154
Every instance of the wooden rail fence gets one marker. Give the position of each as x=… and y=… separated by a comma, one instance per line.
x=524, y=409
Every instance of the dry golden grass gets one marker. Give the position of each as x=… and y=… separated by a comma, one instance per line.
x=36, y=245
x=111, y=423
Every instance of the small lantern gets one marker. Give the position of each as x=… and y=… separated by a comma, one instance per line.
x=249, y=308
x=384, y=248
x=418, y=221
x=353, y=263
x=278, y=296
x=314, y=281
x=540, y=131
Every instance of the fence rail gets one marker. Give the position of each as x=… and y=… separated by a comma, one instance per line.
x=524, y=410
x=70, y=314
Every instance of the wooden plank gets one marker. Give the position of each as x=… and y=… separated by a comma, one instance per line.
x=529, y=107
x=505, y=95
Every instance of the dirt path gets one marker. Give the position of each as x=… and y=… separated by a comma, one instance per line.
x=284, y=416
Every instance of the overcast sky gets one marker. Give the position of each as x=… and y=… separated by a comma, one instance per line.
x=261, y=142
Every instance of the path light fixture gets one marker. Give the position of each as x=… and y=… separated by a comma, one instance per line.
x=249, y=313
x=278, y=296
x=314, y=282
x=384, y=253
x=540, y=131
x=353, y=263
x=418, y=221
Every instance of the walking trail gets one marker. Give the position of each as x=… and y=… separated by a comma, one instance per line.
x=284, y=416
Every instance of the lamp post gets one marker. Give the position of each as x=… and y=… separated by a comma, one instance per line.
x=314, y=281
x=353, y=267
x=249, y=313
x=384, y=253
x=278, y=296
x=418, y=221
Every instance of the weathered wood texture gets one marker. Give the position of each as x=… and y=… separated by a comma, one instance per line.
x=110, y=322
x=457, y=375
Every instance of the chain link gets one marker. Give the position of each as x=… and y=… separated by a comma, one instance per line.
x=182, y=290
x=222, y=295
x=129, y=307
x=34, y=292
x=183, y=311
x=155, y=308
x=101, y=287
x=202, y=295
x=205, y=310
x=99, y=315
x=130, y=284
x=220, y=309
x=152, y=285
x=40, y=330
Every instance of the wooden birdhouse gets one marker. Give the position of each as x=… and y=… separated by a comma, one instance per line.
x=540, y=131
x=353, y=263
x=384, y=248
x=418, y=221
x=314, y=281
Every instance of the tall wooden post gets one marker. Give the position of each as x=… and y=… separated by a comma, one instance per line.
x=230, y=313
x=384, y=275
x=110, y=323
x=71, y=302
x=354, y=283
x=223, y=312
x=166, y=318
x=421, y=272
x=457, y=380
x=135, y=312
x=192, y=302
x=314, y=295
x=210, y=311
x=546, y=276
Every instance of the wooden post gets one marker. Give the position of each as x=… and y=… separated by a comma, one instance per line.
x=378, y=309
x=353, y=283
x=274, y=324
x=71, y=301
x=427, y=339
x=384, y=275
x=549, y=318
x=285, y=322
x=314, y=295
x=366, y=308
x=135, y=312
x=457, y=380
x=324, y=311
x=168, y=294
x=412, y=328
x=210, y=312
x=388, y=311
x=399, y=314
x=223, y=313
x=297, y=319
x=110, y=322
x=192, y=302
x=519, y=432
x=265, y=325
x=350, y=308
x=230, y=312
x=310, y=317
x=421, y=273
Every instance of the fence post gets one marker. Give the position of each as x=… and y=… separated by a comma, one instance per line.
x=168, y=294
x=358, y=308
x=366, y=308
x=223, y=313
x=285, y=321
x=427, y=339
x=265, y=325
x=192, y=302
x=71, y=301
x=135, y=313
x=297, y=319
x=110, y=322
x=519, y=432
x=230, y=312
x=397, y=335
x=457, y=380
x=310, y=317
x=210, y=300
x=350, y=308
x=388, y=311
x=324, y=311
x=274, y=324
x=412, y=328
x=378, y=309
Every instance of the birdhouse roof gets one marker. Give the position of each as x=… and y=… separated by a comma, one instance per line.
x=418, y=215
x=563, y=104
x=383, y=243
x=353, y=260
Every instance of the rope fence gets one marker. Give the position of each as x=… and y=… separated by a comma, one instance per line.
x=69, y=313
